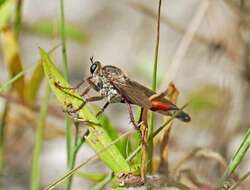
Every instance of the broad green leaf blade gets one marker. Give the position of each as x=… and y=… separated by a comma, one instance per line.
x=13, y=60
x=113, y=133
x=98, y=138
x=6, y=9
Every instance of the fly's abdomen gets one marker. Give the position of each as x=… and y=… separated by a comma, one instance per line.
x=168, y=108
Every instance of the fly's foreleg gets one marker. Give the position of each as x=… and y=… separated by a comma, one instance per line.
x=90, y=99
x=102, y=110
x=71, y=88
x=86, y=91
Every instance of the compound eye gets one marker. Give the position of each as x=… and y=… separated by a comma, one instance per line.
x=93, y=68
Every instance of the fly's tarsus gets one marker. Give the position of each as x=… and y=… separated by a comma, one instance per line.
x=57, y=84
x=102, y=110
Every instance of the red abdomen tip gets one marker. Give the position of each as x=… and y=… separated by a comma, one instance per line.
x=157, y=105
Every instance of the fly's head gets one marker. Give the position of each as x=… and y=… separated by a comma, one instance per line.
x=96, y=74
x=95, y=68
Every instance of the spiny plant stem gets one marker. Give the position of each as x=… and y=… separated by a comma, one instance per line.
x=151, y=126
x=35, y=175
x=65, y=72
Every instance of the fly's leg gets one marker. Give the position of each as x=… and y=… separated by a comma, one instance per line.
x=90, y=99
x=102, y=110
x=132, y=119
x=71, y=88
x=86, y=91
x=75, y=116
x=131, y=116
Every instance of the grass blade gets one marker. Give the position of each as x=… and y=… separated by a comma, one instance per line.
x=236, y=160
x=18, y=18
x=6, y=9
x=35, y=172
x=65, y=74
x=13, y=60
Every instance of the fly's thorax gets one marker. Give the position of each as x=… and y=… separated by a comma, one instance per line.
x=105, y=88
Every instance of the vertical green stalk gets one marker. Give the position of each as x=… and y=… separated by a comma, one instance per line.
x=35, y=175
x=18, y=18
x=2, y=134
x=237, y=158
x=65, y=73
x=151, y=126
x=77, y=146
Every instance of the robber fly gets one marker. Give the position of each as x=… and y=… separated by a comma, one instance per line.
x=115, y=86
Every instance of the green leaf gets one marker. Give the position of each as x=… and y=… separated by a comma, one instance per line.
x=13, y=60
x=34, y=83
x=113, y=133
x=2, y=2
x=6, y=9
x=98, y=138
x=91, y=176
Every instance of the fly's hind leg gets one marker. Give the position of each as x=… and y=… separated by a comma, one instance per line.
x=131, y=116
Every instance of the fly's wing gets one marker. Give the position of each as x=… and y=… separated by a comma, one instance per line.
x=134, y=92
x=138, y=94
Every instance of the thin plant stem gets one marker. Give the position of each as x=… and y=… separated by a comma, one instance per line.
x=76, y=148
x=151, y=126
x=8, y=83
x=18, y=18
x=236, y=160
x=65, y=73
x=35, y=171
x=244, y=177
